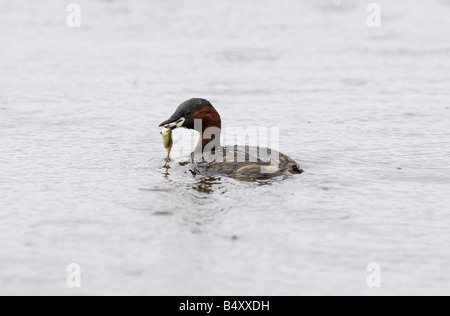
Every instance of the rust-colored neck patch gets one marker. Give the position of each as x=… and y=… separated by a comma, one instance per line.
x=211, y=126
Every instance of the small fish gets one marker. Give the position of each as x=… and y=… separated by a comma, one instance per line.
x=167, y=139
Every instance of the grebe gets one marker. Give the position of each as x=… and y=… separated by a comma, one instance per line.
x=210, y=158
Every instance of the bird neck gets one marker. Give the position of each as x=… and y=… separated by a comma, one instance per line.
x=209, y=141
x=208, y=124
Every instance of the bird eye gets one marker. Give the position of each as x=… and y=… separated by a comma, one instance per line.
x=188, y=113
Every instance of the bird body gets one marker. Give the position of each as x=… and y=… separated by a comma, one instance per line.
x=211, y=158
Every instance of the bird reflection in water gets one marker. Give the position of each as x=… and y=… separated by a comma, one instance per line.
x=206, y=185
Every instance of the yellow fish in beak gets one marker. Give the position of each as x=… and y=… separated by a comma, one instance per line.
x=167, y=139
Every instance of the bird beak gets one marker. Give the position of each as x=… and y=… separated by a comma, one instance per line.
x=173, y=123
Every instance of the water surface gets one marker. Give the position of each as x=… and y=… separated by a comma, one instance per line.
x=364, y=111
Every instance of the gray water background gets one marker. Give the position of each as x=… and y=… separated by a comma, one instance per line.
x=364, y=111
